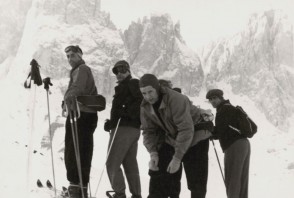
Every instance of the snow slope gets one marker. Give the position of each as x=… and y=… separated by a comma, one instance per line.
x=271, y=171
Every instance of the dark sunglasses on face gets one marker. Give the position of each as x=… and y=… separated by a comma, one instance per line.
x=73, y=48
x=212, y=98
x=120, y=69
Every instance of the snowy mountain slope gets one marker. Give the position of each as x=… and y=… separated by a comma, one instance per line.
x=271, y=150
x=52, y=25
x=12, y=21
x=258, y=63
x=242, y=66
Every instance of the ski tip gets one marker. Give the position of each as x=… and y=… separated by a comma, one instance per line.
x=39, y=183
x=48, y=183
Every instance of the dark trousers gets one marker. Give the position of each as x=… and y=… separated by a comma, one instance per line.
x=163, y=184
x=86, y=125
x=237, y=159
x=195, y=161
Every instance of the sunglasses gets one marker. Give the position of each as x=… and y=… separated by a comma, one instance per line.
x=212, y=98
x=120, y=69
x=73, y=48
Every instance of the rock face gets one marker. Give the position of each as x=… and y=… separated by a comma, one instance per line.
x=258, y=63
x=155, y=46
x=52, y=25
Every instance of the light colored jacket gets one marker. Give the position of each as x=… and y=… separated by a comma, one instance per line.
x=179, y=116
x=81, y=83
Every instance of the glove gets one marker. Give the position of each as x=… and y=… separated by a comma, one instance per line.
x=174, y=165
x=71, y=103
x=107, y=125
x=153, y=163
x=206, y=125
x=207, y=115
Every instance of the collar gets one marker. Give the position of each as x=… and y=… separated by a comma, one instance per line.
x=224, y=102
x=128, y=78
x=81, y=62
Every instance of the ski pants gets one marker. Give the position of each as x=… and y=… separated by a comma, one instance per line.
x=124, y=152
x=86, y=125
x=237, y=159
x=163, y=184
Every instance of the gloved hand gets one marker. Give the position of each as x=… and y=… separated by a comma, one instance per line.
x=205, y=125
x=71, y=103
x=107, y=125
x=207, y=115
x=153, y=163
x=174, y=165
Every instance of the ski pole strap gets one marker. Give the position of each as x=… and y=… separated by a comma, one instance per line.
x=78, y=108
x=65, y=113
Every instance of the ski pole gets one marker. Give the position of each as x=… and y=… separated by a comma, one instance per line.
x=74, y=130
x=109, y=149
x=47, y=82
x=218, y=162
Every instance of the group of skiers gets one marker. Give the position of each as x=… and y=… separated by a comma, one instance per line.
x=175, y=132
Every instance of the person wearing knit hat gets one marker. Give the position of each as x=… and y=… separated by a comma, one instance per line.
x=236, y=147
x=81, y=83
x=167, y=121
x=125, y=117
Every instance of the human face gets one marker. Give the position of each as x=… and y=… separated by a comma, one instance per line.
x=121, y=72
x=73, y=58
x=150, y=94
x=215, y=101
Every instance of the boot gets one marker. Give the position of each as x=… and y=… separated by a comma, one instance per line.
x=85, y=192
x=119, y=195
x=136, y=196
x=74, y=191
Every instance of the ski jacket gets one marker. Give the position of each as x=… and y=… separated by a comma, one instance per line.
x=226, y=116
x=126, y=103
x=81, y=83
x=178, y=117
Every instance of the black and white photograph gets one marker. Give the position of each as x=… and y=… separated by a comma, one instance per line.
x=147, y=98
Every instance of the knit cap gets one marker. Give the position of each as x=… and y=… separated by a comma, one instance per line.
x=149, y=80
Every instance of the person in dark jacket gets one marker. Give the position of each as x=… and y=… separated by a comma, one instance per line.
x=125, y=116
x=168, y=119
x=235, y=146
x=81, y=83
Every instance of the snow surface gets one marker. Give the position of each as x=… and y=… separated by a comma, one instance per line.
x=271, y=168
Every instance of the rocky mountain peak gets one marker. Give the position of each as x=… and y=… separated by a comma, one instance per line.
x=156, y=46
x=258, y=63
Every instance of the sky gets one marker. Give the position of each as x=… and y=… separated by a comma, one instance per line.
x=201, y=20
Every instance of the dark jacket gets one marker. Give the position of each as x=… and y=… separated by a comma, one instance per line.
x=126, y=103
x=226, y=117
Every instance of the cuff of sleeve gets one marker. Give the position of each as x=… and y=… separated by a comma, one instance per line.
x=176, y=159
x=178, y=155
x=154, y=153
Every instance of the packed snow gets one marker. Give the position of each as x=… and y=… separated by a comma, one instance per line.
x=271, y=167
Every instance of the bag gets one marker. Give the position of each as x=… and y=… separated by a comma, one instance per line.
x=247, y=126
x=95, y=102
